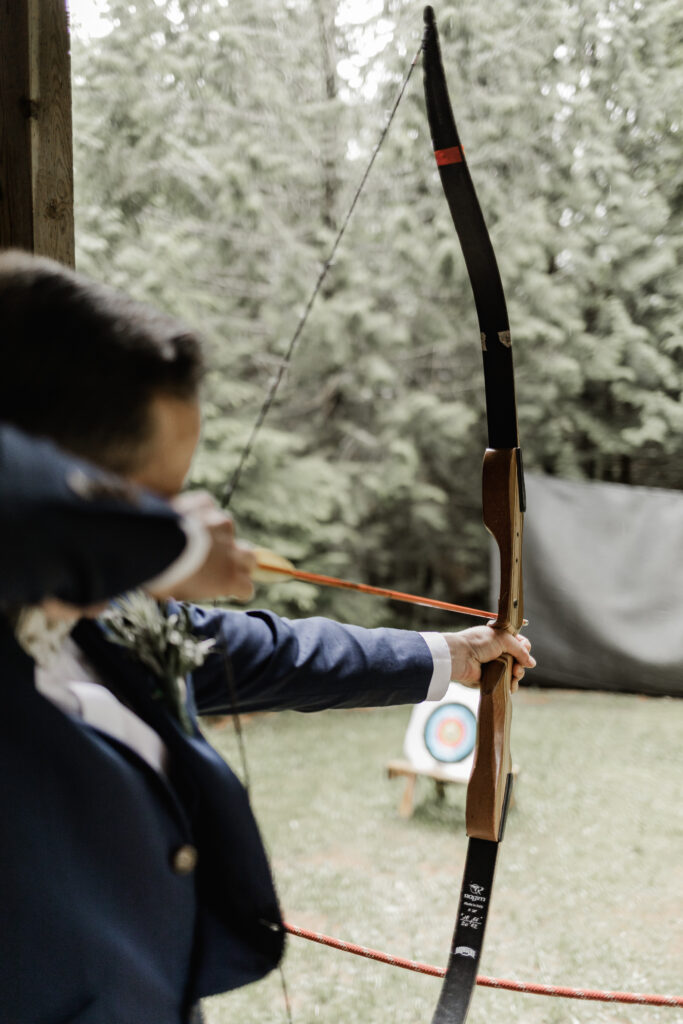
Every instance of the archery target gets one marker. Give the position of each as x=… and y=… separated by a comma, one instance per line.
x=441, y=735
x=450, y=732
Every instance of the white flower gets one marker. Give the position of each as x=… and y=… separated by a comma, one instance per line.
x=165, y=643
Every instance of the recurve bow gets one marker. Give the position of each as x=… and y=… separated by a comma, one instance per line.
x=503, y=501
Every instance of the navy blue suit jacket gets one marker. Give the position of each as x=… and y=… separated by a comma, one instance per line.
x=72, y=531
x=98, y=926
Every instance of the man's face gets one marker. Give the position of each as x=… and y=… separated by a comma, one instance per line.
x=168, y=453
x=163, y=468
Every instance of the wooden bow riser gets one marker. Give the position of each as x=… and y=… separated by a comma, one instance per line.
x=503, y=518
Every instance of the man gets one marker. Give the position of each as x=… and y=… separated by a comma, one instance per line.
x=133, y=877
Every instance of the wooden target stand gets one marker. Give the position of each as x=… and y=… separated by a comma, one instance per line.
x=439, y=745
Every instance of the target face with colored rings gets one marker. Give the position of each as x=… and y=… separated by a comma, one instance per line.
x=450, y=733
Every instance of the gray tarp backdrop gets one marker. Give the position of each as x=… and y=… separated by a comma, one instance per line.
x=603, y=585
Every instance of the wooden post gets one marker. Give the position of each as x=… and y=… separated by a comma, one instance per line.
x=36, y=156
x=16, y=201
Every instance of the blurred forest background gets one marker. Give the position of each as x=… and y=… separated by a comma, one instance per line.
x=217, y=147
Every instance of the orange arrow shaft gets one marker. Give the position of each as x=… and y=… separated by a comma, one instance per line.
x=365, y=588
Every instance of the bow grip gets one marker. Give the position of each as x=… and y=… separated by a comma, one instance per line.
x=503, y=517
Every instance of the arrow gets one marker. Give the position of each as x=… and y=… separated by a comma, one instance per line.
x=271, y=568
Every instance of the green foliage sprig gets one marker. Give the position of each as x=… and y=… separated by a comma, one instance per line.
x=164, y=642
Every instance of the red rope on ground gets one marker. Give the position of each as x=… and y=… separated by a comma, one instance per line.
x=513, y=986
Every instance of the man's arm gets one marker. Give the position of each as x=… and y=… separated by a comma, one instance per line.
x=262, y=662
x=73, y=532
x=276, y=664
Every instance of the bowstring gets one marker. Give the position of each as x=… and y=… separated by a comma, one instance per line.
x=303, y=319
x=231, y=487
x=263, y=412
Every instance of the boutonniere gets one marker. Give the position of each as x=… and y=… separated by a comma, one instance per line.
x=40, y=636
x=163, y=641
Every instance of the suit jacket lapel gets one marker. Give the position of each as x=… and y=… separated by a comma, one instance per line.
x=136, y=686
x=128, y=679
x=238, y=887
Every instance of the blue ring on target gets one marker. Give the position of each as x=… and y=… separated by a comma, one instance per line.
x=450, y=733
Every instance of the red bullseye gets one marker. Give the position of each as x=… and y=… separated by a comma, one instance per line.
x=450, y=732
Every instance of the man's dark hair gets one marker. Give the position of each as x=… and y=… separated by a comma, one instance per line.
x=80, y=363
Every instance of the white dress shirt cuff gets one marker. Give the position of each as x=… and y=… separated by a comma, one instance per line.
x=441, y=655
x=188, y=561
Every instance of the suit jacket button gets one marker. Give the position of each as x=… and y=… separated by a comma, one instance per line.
x=184, y=859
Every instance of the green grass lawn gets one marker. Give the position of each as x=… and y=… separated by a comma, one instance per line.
x=589, y=888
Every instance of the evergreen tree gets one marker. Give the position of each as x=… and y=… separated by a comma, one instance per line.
x=217, y=147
